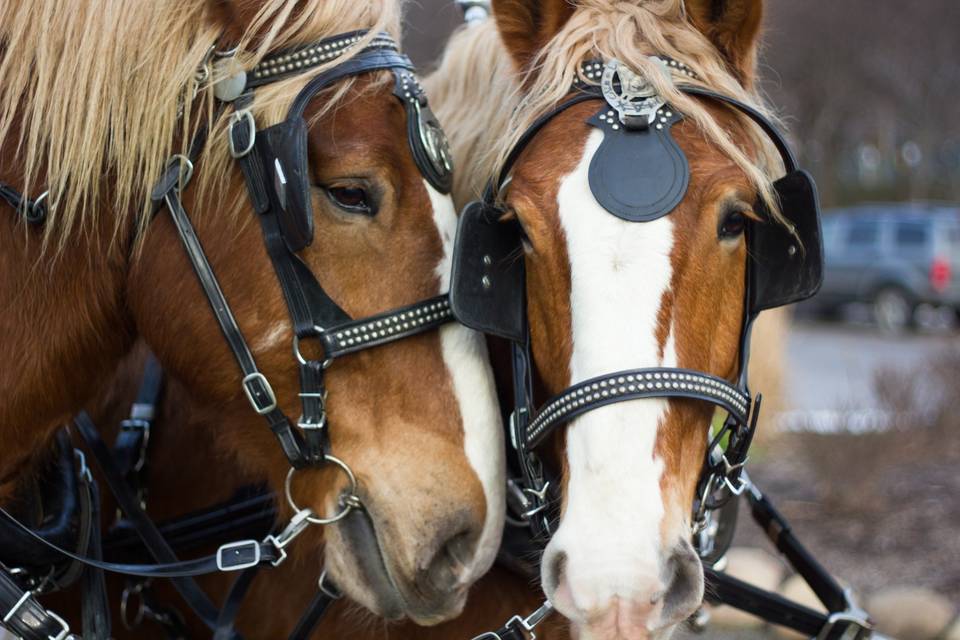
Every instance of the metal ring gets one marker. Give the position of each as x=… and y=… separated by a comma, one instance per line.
x=141, y=608
x=226, y=53
x=299, y=356
x=348, y=503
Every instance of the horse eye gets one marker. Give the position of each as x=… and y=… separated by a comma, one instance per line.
x=352, y=199
x=732, y=225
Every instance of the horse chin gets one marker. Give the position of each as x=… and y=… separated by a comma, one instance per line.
x=360, y=568
x=606, y=631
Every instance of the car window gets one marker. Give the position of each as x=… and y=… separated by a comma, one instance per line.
x=863, y=234
x=911, y=235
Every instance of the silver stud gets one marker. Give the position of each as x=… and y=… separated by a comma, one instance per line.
x=485, y=282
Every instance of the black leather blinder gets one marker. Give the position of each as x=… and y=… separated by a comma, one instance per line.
x=427, y=140
x=283, y=155
x=787, y=268
x=487, y=287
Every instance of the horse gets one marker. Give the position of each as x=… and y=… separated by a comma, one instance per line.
x=570, y=255
x=187, y=473
x=96, y=98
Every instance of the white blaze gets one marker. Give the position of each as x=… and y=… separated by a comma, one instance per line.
x=619, y=273
x=465, y=354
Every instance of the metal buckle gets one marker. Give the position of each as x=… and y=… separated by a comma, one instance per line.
x=224, y=564
x=245, y=116
x=858, y=628
x=143, y=426
x=64, y=632
x=84, y=472
x=524, y=626
x=513, y=428
x=27, y=597
x=299, y=522
x=729, y=470
x=856, y=620
x=261, y=408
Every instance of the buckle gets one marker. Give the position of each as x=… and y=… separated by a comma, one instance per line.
x=246, y=117
x=299, y=522
x=854, y=623
x=236, y=556
x=26, y=598
x=261, y=397
x=64, y=632
x=514, y=436
x=857, y=627
x=520, y=625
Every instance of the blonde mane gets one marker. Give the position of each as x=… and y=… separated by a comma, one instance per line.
x=97, y=94
x=477, y=90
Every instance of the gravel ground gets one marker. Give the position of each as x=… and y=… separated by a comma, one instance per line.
x=902, y=530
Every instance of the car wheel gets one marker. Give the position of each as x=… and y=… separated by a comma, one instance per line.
x=892, y=310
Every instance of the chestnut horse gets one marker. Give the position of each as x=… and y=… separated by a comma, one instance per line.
x=95, y=97
x=188, y=472
x=607, y=294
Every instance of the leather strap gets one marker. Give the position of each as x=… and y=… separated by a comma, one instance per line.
x=312, y=615
x=95, y=606
x=130, y=447
x=255, y=384
x=248, y=515
x=231, y=606
x=146, y=529
x=230, y=557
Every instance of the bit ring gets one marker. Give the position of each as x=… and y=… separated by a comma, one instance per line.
x=347, y=503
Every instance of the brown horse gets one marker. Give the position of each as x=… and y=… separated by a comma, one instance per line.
x=189, y=471
x=605, y=294
x=95, y=97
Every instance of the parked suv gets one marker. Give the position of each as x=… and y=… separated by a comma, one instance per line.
x=895, y=257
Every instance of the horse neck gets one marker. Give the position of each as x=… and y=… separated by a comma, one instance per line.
x=64, y=329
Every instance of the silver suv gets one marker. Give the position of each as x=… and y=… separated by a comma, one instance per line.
x=896, y=257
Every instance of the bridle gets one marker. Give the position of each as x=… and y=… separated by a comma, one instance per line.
x=488, y=288
x=275, y=167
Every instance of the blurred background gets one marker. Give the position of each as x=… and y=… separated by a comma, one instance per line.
x=860, y=443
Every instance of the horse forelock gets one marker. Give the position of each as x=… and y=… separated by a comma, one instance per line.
x=627, y=31
x=93, y=92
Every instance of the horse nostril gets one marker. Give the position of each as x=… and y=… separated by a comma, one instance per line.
x=558, y=567
x=684, y=592
x=449, y=565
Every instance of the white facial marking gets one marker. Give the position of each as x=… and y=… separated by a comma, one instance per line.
x=610, y=530
x=273, y=336
x=465, y=354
